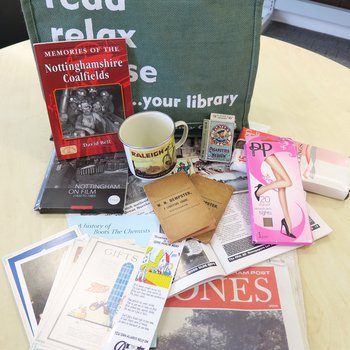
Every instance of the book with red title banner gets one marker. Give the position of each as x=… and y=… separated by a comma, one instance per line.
x=86, y=86
x=254, y=308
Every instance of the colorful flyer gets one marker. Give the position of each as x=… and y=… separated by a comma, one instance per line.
x=138, y=318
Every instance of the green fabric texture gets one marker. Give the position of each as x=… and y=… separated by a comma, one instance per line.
x=188, y=58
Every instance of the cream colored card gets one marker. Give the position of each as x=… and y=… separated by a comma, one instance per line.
x=216, y=196
x=179, y=207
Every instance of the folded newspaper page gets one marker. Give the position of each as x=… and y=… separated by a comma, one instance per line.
x=231, y=248
x=251, y=309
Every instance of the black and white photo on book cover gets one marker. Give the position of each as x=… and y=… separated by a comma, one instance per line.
x=86, y=86
x=90, y=110
x=90, y=184
x=31, y=272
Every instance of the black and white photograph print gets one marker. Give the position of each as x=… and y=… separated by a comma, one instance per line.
x=191, y=148
x=221, y=172
x=135, y=192
x=192, y=256
x=91, y=110
x=32, y=272
x=39, y=275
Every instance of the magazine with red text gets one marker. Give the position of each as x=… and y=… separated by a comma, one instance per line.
x=86, y=86
x=251, y=309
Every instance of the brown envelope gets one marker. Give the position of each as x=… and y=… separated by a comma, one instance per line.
x=216, y=196
x=179, y=207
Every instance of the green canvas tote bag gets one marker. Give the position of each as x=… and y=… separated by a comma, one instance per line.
x=188, y=58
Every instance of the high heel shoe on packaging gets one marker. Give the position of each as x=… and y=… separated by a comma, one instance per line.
x=286, y=228
x=257, y=189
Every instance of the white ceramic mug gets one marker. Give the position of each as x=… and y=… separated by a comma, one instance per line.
x=149, y=143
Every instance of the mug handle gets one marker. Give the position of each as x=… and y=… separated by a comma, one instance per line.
x=179, y=143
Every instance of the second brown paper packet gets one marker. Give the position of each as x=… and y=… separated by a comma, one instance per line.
x=216, y=196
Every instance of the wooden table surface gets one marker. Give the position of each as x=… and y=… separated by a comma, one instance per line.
x=298, y=93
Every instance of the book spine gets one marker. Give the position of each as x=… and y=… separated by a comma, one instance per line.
x=37, y=205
